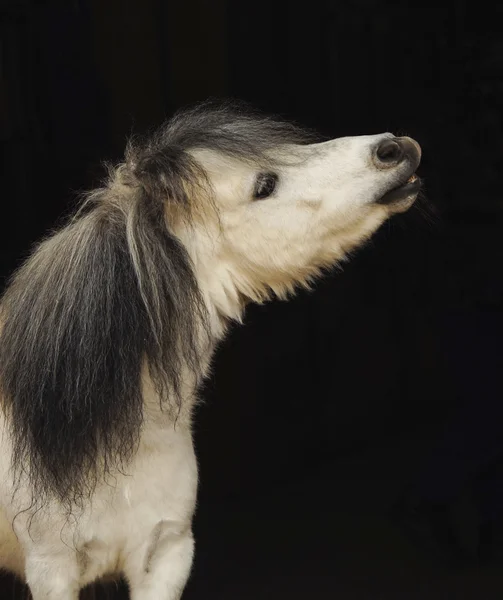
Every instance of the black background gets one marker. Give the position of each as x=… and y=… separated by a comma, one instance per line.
x=337, y=394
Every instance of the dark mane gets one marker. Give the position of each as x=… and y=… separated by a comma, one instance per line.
x=111, y=291
x=230, y=128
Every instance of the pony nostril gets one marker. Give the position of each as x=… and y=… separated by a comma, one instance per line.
x=389, y=153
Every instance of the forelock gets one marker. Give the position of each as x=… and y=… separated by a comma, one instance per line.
x=232, y=129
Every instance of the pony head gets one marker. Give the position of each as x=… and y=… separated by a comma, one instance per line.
x=274, y=206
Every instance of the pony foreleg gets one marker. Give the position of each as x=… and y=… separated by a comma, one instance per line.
x=52, y=576
x=160, y=569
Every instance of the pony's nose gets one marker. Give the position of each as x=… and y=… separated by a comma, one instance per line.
x=393, y=151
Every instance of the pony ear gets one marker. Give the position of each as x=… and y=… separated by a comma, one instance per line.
x=174, y=179
x=160, y=171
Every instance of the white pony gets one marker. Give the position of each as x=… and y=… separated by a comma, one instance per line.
x=109, y=327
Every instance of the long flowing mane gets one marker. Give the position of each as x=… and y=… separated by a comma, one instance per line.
x=110, y=292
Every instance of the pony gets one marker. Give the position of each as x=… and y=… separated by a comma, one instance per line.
x=108, y=329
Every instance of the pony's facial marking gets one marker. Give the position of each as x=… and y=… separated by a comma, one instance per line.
x=109, y=327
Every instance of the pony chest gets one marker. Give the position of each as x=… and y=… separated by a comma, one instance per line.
x=160, y=487
x=161, y=484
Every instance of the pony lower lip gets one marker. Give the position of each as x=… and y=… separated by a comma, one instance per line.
x=411, y=187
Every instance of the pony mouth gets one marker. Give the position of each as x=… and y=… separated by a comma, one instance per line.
x=402, y=192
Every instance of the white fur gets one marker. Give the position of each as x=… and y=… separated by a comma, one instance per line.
x=139, y=524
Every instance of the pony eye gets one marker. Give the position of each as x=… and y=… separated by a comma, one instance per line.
x=265, y=185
